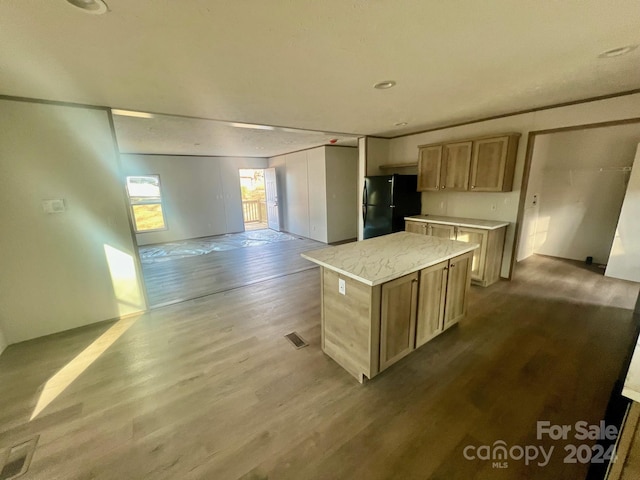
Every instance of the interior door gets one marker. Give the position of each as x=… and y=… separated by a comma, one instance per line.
x=271, y=191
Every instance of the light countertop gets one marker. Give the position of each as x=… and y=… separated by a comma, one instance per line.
x=382, y=259
x=631, y=388
x=464, y=222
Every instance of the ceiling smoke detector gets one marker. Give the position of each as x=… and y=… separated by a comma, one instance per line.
x=94, y=7
x=616, y=52
x=384, y=85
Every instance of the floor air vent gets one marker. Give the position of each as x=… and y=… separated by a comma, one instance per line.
x=296, y=340
x=15, y=461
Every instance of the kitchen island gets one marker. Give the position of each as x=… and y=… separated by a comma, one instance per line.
x=386, y=296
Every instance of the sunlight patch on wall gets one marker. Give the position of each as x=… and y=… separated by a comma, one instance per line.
x=57, y=384
x=124, y=279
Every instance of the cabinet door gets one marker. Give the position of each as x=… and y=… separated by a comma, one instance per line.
x=457, y=287
x=429, y=164
x=456, y=163
x=398, y=319
x=442, y=231
x=415, y=227
x=475, y=235
x=488, y=164
x=431, y=301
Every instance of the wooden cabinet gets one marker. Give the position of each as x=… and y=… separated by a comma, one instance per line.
x=398, y=319
x=493, y=163
x=457, y=288
x=429, y=165
x=484, y=164
x=441, y=231
x=475, y=235
x=415, y=227
x=417, y=307
x=456, y=161
x=487, y=260
x=431, y=303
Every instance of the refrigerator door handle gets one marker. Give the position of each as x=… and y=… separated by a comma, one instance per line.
x=364, y=204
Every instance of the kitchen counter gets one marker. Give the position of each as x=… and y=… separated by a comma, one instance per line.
x=464, y=222
x=631, y=388
x=383, y=297
x=378, y=260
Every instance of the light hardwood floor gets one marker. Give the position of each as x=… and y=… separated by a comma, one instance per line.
x=178, y=279
x=210, y=389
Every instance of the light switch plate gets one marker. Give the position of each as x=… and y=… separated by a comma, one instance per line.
x=53, y=206
x=342, y=286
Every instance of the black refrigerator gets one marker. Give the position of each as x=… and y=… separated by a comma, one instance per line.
x=386, y=200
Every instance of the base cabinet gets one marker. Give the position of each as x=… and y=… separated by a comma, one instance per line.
x=437, y=297
x=487, y=260
x=398, y=319
x=367, y=329
x=431, y=306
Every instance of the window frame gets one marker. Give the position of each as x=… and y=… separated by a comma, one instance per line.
x=160, y=202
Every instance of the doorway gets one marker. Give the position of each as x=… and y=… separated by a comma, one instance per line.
x=254, y=199
x=575, y=182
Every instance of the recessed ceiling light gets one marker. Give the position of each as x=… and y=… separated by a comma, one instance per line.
x=616, y=52
x=131, y=113
x=401, y=124
x=94, y=7
x=384, y=85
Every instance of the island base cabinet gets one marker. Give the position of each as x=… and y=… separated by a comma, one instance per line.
x=458, y=281
x=368, y=328
x=398, y=319
x=431, y=302
x=350, y=324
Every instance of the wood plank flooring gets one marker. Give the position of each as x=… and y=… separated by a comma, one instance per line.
x=211, y=389
x=178, y=279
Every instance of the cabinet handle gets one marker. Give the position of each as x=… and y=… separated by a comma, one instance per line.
x=452, y=265
x=443, y=187
x=473, y=186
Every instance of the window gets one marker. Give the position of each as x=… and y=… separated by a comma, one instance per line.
x=146, y=203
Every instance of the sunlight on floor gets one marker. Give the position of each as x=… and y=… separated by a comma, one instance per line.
x=57, y=384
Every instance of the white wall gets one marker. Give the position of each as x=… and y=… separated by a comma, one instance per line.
x=578, y=202
x=378, y=153
x=69, y=269
x=201, y=195
x=3, y=341
x=314, y=185
x=624, y=260
x=317, y=182
x=342, y=193
x=504, y=206
x=297, y=215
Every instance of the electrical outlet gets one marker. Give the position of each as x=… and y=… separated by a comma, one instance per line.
x=342, y=286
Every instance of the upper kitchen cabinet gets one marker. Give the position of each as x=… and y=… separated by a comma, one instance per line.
x=493, y=163
x=429, y=165
x=456, y=160
x=483, y=164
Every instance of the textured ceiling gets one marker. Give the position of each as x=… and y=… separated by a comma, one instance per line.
x=311, y=64
x=166, y=134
